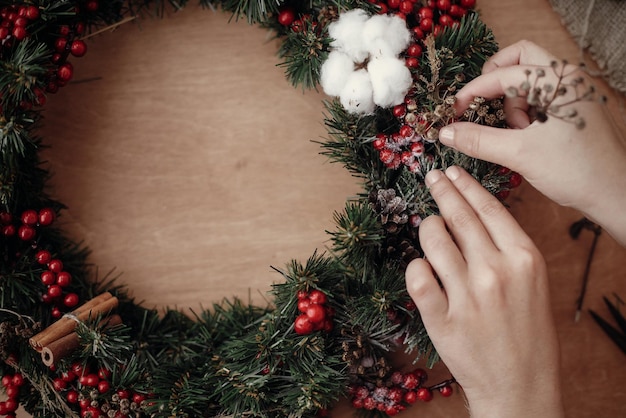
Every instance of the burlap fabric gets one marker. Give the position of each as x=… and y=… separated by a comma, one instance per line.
x=600, y=27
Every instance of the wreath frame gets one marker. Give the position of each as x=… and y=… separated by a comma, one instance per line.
x=350, y=144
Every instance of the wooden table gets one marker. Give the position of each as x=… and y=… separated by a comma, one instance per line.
x=186, y=162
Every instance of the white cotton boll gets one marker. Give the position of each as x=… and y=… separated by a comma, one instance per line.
x=391, y=30
x=390, y=79
x=335, y=72
x=347, y=34
x=356, y=95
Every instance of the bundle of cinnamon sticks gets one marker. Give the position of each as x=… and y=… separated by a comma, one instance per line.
x=60, y=338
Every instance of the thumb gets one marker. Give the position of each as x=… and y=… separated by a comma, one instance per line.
x=496, y=145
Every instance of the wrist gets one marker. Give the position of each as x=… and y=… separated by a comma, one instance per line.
x=538, y=401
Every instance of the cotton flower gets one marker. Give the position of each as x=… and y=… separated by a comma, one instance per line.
x=347, y=34
x=357, y=95
x=390, y=80
x=363, y=67
x=335, y=72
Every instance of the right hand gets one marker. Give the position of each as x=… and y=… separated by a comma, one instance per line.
x=579, y=168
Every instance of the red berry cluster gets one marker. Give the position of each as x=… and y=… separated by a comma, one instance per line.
x=56, y=280
x=82, y=387
x=29, y=221
x=405, y=146
x=514, y=180
x=315, y=314
x=401, y=390
x=14, y=21
x=11, y=386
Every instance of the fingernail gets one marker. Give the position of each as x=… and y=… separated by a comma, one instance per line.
x=433, y=177
x=453, y=172
x=446, y=135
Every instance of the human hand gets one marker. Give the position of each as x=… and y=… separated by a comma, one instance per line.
x=491, y=322
x=579, y=168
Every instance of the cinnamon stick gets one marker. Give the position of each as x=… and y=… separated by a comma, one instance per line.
x=101, y=304
x=60, y=348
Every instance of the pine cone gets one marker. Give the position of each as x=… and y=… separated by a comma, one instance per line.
x=392, y=210
x=402, y=249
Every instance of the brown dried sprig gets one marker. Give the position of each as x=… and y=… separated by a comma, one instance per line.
x=546, y=99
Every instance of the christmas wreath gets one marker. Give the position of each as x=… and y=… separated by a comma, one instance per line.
x=74, y=346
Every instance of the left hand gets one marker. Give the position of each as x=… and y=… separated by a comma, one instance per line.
x=491, y=322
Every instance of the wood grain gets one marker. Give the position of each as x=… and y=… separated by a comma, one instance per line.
x=187, y=164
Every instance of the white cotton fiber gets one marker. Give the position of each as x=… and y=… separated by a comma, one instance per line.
x=347, y=34
x=390, y=79
x=391, y=30
x=356, y=95
x=335, y=72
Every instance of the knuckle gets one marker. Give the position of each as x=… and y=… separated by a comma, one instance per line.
x=460, y=219
x=492, y=209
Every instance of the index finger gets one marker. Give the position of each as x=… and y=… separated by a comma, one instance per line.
x=522, y=52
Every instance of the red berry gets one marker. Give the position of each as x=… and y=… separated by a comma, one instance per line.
x=369, y=403
x=103, y=386
x=78, y=48
x=12, y=391
x=382, y=8
x=379, y=142
x=48, y=278
x=32, y=12
x=11, y=405
x=79, y=28
x=425, y=13
x=21, y=22
x=393, y=4
x=60, y=44
x=317, y=297
x=56, y=313
x=84, y=404
x=302, y=325
x=414, y=50
x=412, y=62
x=503, y=194
x=392, y=410
x=70, y=300
x=421, y=375
x=457, y=11
x=5, y=218
x=406, y=131
x=424, y=394
x=138, y=398
x=395, y=394
x=19, y=33
x=446, y=20
x=54, y=291
x=286, y=16
x=72, y=396
x=46, y=216
x=418, y=33
x=446, y=391
x=303, y=305
x=444, y=4
x=468, y=4
x=64, y=279
x=68, y=376
x=17, y=380
x=123, y=394
x=65, y=72
x=8, y=230
x=386, y=156
x=104, y=373
x=406, y=7
x=515, y=180
x=59, y=384
x=92, y=6
x=3, y=408
x=91, y=411
x=410, y=381
x=302, y=294
x=91, y=380
x=26, y=232
x=316, y=313
x=410, y=397
x=399, y=110
x=426, y=24
x=55, y=265
x=29, y=217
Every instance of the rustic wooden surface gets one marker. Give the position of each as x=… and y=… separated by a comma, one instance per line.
x=187, y=165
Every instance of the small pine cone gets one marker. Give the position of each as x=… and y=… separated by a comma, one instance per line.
x=392, y=210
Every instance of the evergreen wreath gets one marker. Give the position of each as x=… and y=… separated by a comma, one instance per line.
x=75, y=346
